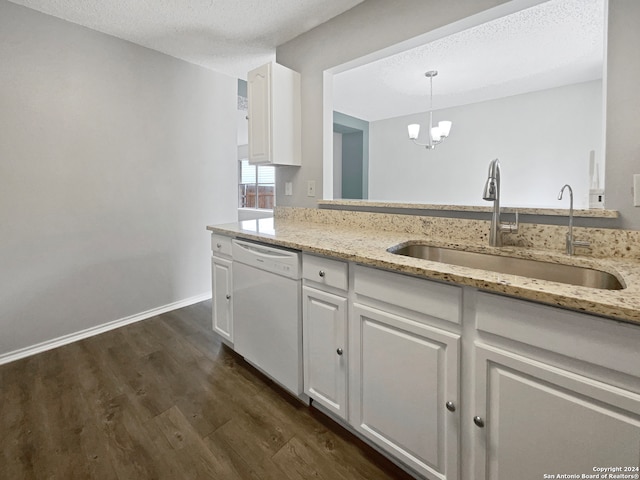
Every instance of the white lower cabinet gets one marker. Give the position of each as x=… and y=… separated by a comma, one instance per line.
x=222, y=285
x=402, y=374
x=324, y=323
x=547, y=393
x=535, y=419
x=556, y=393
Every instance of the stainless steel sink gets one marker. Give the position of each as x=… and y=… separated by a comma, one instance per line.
x=555, y=272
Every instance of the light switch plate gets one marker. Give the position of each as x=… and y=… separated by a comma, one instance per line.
x=636, y=190
x=288, y=188
x=311, y=188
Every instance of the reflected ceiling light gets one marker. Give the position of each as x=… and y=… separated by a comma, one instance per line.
x=437, y=133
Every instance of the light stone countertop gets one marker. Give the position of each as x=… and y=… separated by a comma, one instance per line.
x=368, y=246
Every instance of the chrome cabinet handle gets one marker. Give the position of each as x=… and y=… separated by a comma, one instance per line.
x=450, y=406
x=339, y=351
x=478, y=421
x=321, y=273
x=228, y=296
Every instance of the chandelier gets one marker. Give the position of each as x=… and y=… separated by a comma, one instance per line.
x=437, y=133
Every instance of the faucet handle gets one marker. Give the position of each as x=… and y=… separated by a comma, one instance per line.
x=571, y=244
x=511, y=227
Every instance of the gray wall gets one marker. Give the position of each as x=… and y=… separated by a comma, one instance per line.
x=354, y=160
x=623, y=109
x=352, y=165
x=381, y=23
x=366, y=28
x=543, y=140
x=113, y=159
x=337, y=164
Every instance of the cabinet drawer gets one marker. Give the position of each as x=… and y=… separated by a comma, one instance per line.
x=420, y=295
x=592, y=339
x=325, y=271
x=221, y=244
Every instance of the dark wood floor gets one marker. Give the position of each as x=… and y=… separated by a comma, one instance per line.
x=162, y=399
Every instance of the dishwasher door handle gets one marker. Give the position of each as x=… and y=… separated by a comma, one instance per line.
x=270, y=259
x=265, y=252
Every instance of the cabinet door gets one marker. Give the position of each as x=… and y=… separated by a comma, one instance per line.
x=221, y=297
x=541, y=420
x=402, y=374
x=325, y=337
x=259, y=99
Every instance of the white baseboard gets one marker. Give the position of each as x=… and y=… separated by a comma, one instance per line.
x=105, y=327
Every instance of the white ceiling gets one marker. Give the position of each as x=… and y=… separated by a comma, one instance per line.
x=555, y=43
x=230, y=36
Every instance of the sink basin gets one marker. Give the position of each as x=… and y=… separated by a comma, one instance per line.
x=555, y=272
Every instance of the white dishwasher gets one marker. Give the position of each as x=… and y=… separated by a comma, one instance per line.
x=268, y=312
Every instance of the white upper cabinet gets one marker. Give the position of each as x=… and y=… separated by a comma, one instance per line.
x=274, y=115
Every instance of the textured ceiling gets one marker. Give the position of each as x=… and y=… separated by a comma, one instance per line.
x=231, y=36
x=555, y=43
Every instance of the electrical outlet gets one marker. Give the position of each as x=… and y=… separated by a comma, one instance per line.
x=636, y=190
x=311, y=188
x=288, y=188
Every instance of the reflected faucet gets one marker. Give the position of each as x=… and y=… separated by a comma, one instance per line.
x=492, y=194
x=570, y=243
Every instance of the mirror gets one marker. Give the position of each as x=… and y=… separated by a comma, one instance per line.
x=524, y=86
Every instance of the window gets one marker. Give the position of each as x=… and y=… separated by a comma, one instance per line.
x=257, y=186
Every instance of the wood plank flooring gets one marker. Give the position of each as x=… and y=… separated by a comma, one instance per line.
x=164, y=399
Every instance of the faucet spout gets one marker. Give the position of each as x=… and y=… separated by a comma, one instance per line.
x=492, y=194
x=570, y=242
x=492, y=186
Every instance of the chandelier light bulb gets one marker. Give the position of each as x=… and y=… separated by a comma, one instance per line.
x=414, y=131
x=445, y=127
x=436, y=134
